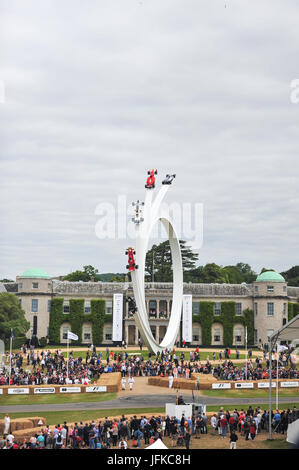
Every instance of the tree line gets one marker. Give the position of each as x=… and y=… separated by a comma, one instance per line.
x=158, y=268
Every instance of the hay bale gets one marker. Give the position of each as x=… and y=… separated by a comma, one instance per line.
x=19, y=424
x=26, y=433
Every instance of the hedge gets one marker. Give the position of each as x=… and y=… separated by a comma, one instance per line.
x=293, y=310
x=17, y=342
x=76, y=317
x=98, y=318
x=227, y=318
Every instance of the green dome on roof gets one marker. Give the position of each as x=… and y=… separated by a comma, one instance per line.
x=36, y=273
x=268, y=276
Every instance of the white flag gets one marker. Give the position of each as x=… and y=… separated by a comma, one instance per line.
x=280, y=348
x=71, y=335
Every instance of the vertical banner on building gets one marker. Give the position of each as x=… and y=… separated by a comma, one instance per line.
x=187, y=318
x=117, y=332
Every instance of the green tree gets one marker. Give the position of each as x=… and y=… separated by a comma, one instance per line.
x=117, y=278
x=234, y=276
x=88, y=273
x=214, y=273
x=158, y=261
x=264, y=270
x=12, y=317
x=292, y=276
x=247, y=272
x=91, y=271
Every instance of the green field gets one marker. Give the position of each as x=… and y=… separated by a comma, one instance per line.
x=144, y=354
x=55, y=398
x=55, y=417
x=246, y=393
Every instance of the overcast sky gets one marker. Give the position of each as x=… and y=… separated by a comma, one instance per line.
x=98, y=92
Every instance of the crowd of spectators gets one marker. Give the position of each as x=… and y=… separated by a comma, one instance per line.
x=52, y=367
x=124, y=433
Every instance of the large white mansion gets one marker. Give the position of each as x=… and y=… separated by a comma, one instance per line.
x=268, y=297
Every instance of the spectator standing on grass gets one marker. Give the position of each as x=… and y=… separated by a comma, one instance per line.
x=6, y=424
x=123, y=444
x=223, y=426
x=58, y=440
x=233, y=440
x=231, y=423
x=10, y=437
x=252, y=429
x=187, y=438
x=214, y=422
x=204, y=425
x=246, y=428
x=41, y=440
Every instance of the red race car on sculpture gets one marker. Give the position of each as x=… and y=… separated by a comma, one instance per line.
x=131, y=266
x=150, y=182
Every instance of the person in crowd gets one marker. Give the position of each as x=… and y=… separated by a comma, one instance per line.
x=233, y=440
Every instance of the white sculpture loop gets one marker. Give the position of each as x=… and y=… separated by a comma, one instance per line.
x=152, y=213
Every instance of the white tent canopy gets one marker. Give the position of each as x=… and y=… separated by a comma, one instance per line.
x=293, y=432
x=158, y=444
x=288, y=332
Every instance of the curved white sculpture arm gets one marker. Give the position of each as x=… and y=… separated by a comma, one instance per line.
x=152, y=213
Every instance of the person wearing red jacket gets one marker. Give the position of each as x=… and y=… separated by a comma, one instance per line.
x=223, y=425
x=231, y=423
x=252, y=429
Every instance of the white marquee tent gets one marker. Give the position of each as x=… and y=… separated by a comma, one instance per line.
x=289, y=332
x=158, y=444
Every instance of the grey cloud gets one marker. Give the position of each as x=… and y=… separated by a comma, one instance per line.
x=98, y=93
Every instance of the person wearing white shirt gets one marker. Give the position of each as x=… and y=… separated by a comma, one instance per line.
x=130, y=382
x=123, y=444
x=63, y=435
x=6, y=424
x=10, y=437
x=123, y=383
x=170, y=378
x=214, y=421
x=256, y=420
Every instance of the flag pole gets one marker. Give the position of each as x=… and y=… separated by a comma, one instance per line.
x=67, y=362
x=10, y=348
x=277, y=376
x=246, y=350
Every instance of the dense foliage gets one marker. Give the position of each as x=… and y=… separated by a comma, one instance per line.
x=12, y=317
x=76, y=317
x=292, y=276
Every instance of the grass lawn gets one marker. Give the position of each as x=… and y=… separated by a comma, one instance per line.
x=282, y=406
x=55, y=417
x=247, y=393
x=144, y=353
x=55, y=398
